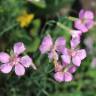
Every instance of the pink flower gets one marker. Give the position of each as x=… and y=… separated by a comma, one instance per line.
x=64, y=73
x=47, y=46
x=63, y=76
x=73, y=54
x=85, y=21
x=15, y=60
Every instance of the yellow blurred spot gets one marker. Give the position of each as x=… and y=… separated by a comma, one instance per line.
x=25, y=19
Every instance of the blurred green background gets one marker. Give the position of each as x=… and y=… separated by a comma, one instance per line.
x=41, y=82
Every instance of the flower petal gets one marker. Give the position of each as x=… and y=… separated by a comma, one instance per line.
x=89, y=23
x=72, y=69
x=46, y=44
x=66, y=58
x=19, y=48
x=75, y=42
x=81, y=14
x=68, y=77
x=5, y=68
x=52, y=55
x=19, y=70
x=76, y=60
x=60, y=44
x=82, y=54
x=26, y=61
x=4, y=57
x=79, y=25
x=88, y=15
x=75, y=33
x=59, y=76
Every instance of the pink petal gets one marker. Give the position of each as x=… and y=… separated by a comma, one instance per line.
x=72, y=69
x=5, y=68
x=80, y=26
x=19, y=48
x=4, y=57
x=46, y=44
x=19, y=70
x=60, y=44
x=89, y=23
x=88, y=15
x=75, y=42
x=68, y=77
x=26, y=61
x=76, y=60
x=52, y=55
x=75, y=33
x=82, y=54
x=81, y=14
x=66, y=58
x=59, y=76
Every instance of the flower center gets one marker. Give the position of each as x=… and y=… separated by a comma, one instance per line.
x=14, y=60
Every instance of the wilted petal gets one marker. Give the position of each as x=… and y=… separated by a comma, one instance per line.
x=26, y=61
x=60, y=44
x=68, y=77
x=4, y=57
x=81, y=53
x=19, y=48
x=46, y=44
x=19, y=70
x=59, y=76
x=5, y=68
x=66, y=58
x=79, y=25
x=76, y=60
x=88, y=15
x=75, y=42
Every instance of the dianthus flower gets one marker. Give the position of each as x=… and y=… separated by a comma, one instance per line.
x=15, y=60
x=85, y=21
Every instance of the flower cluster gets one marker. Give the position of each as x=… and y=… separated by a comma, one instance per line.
x=15, y=60
x=65, y=60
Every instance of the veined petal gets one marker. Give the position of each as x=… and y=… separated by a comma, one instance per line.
x=5, y=68
x=19, y=48
x=4, y=57
x=68, y=77
x=46, y=44
x=19, y=70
